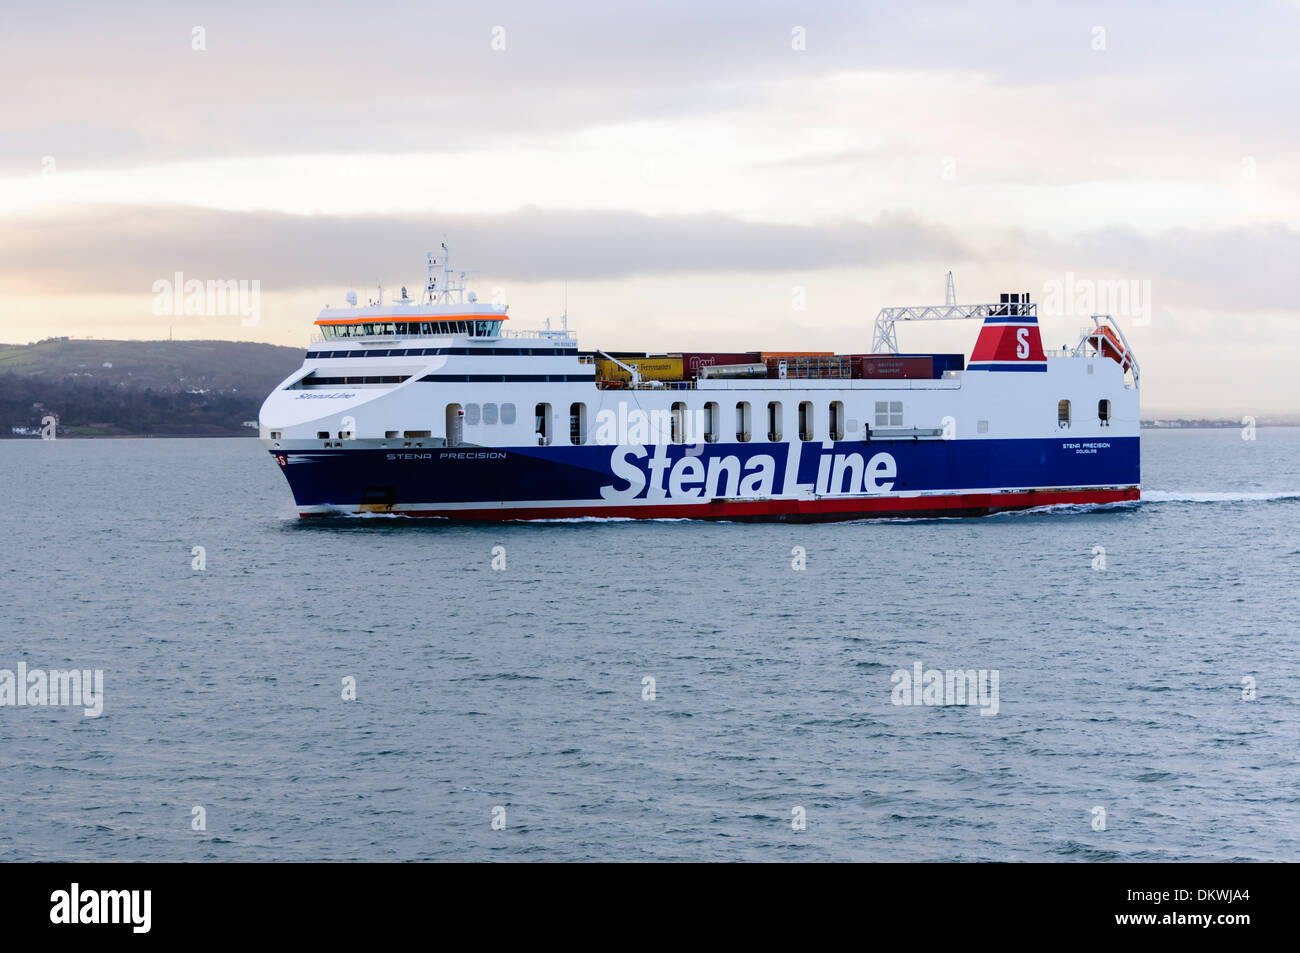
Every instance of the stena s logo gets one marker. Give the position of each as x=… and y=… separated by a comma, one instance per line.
x=1022, y=343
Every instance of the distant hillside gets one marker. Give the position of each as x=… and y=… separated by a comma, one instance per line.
x=155, y=388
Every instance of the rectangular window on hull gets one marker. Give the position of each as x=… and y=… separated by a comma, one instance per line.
x=805, y=420
x=679, y=422
x=543, y=424
x=577, y=424
x=1063, y=414
x=1103, y=412
x=889, y=413
x=744, y=432
x=455, y=425
x=837, y=420
x=711, y=415
x=774, y=421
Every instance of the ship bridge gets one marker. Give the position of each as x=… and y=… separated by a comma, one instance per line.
x=446, y=307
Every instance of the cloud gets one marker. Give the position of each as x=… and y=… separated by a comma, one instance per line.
x=123, y=249
x=109, y=249
x=115, y=85
x=1249, y=268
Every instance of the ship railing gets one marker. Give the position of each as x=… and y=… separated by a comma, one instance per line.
x=544, y=334
x=665, y=385
x=645, y=385
x=1089, y=345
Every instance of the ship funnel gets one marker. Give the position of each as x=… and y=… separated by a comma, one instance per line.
x=1009, y=339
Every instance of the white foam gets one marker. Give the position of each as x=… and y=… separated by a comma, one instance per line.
x=1185, y=496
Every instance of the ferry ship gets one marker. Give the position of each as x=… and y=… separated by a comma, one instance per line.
x=430, y=407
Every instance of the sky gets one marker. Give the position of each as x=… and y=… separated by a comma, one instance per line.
x=680, y=175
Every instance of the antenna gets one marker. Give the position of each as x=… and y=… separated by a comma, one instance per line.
x=950, y=292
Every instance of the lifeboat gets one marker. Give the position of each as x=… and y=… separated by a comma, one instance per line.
x=1108, y=344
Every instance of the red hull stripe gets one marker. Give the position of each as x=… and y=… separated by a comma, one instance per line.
x=965, y=504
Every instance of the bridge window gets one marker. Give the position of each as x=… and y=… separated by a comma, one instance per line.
x=543, y=425
x=774, y=416
x=1063, y=413
x=837, y=420
x=744, y=423
x=1103, y=412
x=805, y=420
x=577, y=424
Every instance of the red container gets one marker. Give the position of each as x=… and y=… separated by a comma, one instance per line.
x=885, y=366
x=691, y=363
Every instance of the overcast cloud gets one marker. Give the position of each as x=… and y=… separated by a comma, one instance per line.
x=319, y=146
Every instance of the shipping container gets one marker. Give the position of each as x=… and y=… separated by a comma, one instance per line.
x=810, y=366
x=733, y=371
x=909, y=367
x=942, y=362
x=765, y=355
x=693, y=361
x=660, y=368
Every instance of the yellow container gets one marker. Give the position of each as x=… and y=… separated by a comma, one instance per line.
x=782, y=355
x=652, y=368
